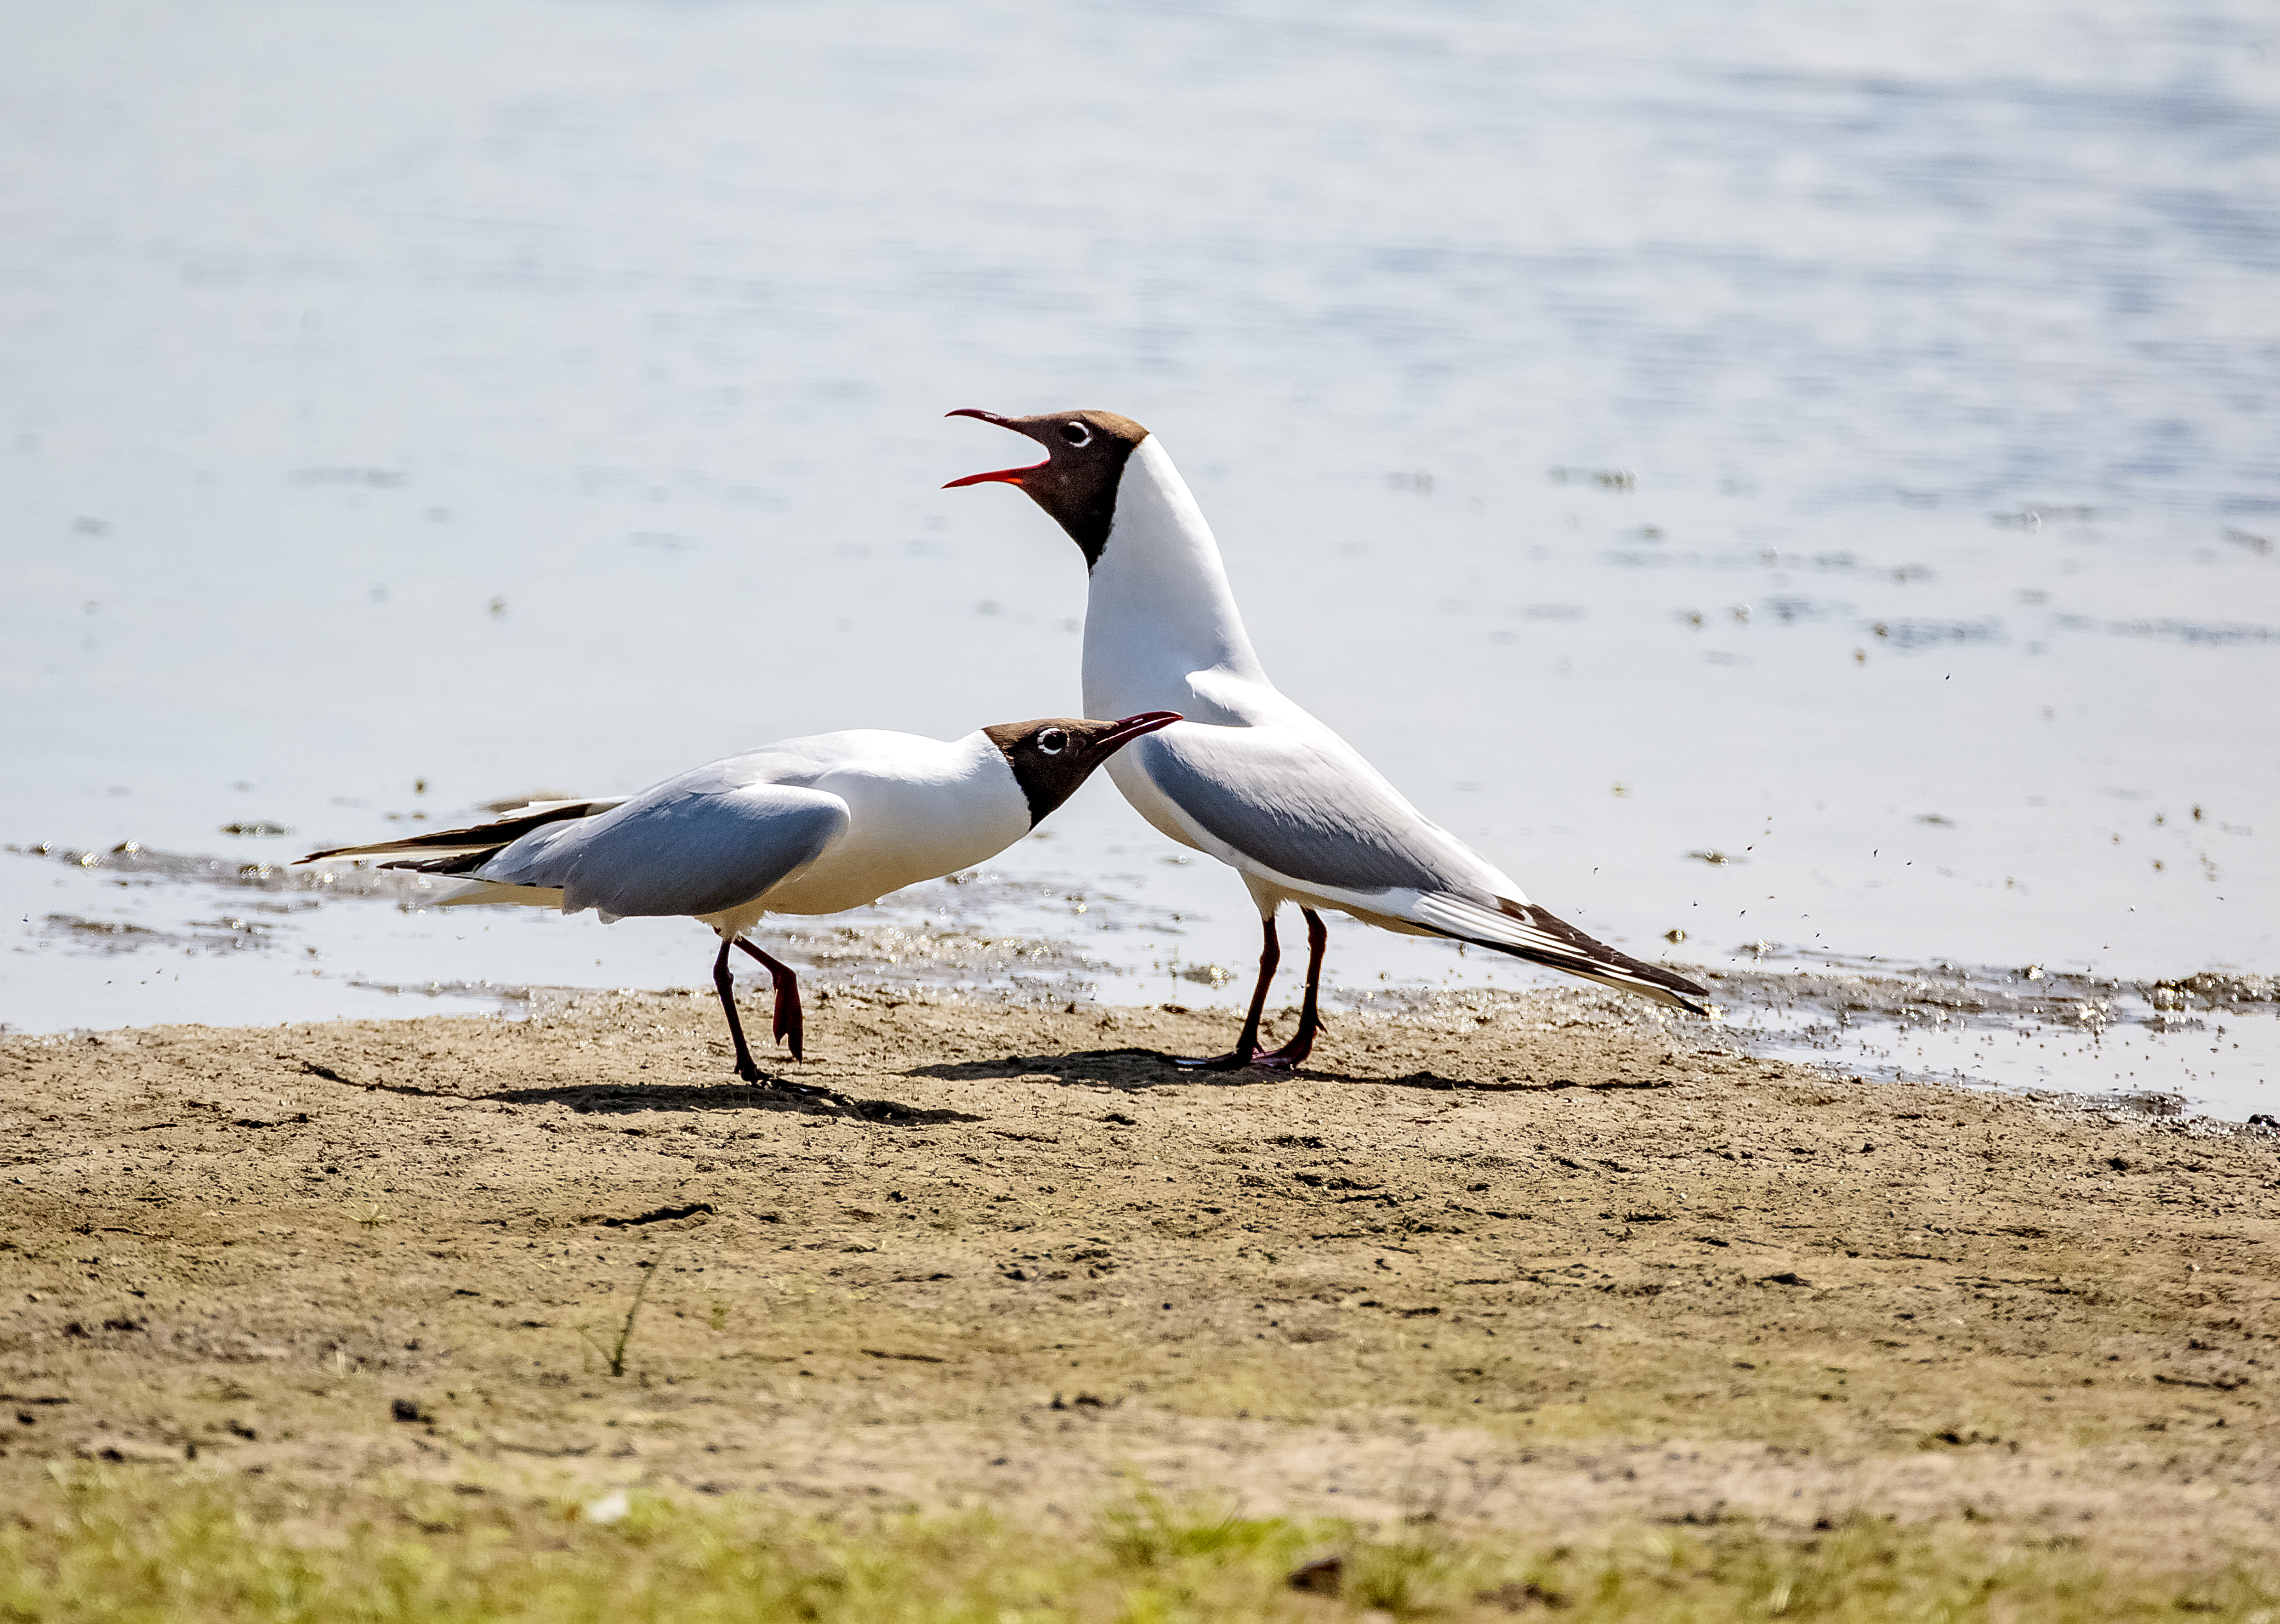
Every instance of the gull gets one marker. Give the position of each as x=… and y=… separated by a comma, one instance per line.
x=1248, y=776
x=815, y=825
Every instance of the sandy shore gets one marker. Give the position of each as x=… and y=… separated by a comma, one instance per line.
x=1542, y=1269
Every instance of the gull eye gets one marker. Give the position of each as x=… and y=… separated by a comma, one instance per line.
x=1051, y=742
x=1077, y=433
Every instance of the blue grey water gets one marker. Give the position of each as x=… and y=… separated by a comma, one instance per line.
x=1842, y=441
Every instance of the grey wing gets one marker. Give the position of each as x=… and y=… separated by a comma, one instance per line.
x=697, y=844
x=1317, y=812
x=1303, y=807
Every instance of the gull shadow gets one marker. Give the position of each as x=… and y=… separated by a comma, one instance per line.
x=1150, y=1068
x=621, y=1099
x=1511, y=1085
x=1113, y=1068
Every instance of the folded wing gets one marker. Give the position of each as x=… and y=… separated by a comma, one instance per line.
x=688, y=847
x=1303, y=809
x=1302, y=805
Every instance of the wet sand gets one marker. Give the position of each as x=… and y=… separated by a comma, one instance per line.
x=1555, y=1267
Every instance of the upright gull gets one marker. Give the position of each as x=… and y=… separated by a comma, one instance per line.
x=815, y=825
x=1249, y=776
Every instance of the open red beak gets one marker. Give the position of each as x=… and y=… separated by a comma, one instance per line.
x=1004, y=476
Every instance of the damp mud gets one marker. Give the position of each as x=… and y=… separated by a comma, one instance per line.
x=1548, y=1269
x=2208, y=1041
x=159, y=934
x=359, y=940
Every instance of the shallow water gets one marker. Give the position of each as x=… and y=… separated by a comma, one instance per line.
x=1842, y=445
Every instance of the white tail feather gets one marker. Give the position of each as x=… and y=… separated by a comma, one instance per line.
x=491, y=890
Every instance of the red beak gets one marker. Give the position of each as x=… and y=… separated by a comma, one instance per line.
x=1004, y=476
x=1131, y=727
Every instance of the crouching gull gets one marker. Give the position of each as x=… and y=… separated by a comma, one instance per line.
x=1249, y=777
x=816, y=824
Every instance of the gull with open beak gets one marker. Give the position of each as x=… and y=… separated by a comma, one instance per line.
x=1249, y=776
x=814, y=825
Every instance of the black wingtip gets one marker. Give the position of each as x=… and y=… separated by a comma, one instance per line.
x=485, y=838
x=1594, y=960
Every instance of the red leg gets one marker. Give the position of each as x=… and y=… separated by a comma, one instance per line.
x=1246, y=1047
x=1310, y=1020
x=727, y=986
x=790, y=1022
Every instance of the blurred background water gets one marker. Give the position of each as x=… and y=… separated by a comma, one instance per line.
x=1803, y=477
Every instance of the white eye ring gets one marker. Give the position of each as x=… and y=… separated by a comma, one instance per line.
x=1077, y=434
x=1051, y=742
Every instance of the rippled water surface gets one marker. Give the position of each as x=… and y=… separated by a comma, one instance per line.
x=1806, y=480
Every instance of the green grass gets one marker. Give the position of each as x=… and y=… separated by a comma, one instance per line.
x=131, y=1546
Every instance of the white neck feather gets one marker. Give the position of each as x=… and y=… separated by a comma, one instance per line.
x=1160, y=610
